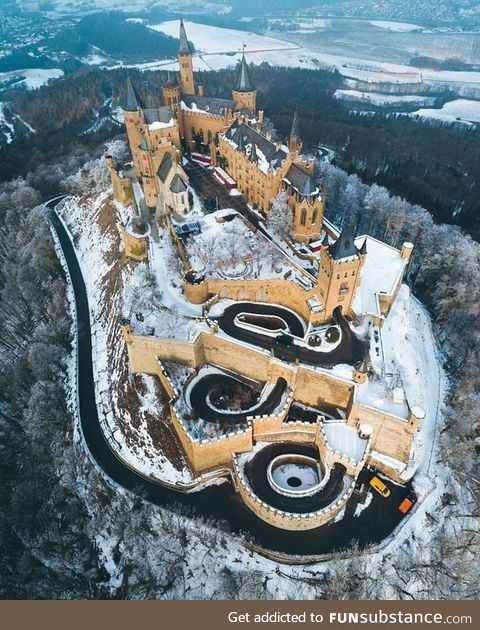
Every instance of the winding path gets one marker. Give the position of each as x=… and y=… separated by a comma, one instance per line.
x=198, y=400
x=350, y=350
x=374, y=524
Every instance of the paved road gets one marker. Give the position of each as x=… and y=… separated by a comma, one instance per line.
x=202, y=387
x=204, y=182
x=256, y=471
x=374, y=524
x=349, y=351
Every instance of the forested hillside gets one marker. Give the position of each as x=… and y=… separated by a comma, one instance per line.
x=116, y=37
x=66, y=532
x=431, y=164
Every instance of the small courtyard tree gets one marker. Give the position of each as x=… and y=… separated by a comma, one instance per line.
x=280, y=217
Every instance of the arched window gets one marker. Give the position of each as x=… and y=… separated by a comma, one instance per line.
x=202, y=137
x=209, y=137
x=303, y=216
x=314, y=215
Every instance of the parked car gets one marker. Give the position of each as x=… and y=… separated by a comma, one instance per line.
x=408, y=502
x=380, y=487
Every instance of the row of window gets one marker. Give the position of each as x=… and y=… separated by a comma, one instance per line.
x=202, y=135
x=303, y=216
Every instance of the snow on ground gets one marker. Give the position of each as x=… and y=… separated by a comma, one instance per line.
x=206, y=38
x=131, y=411
x=381, y=100
x=164, y=264
x=221, y=48
x=345, y=440
x=399, y=27
x=230, y=249
x=407, y=362
x=6, y=127
x=459, y=110
x=30, y=78
x=380, y=273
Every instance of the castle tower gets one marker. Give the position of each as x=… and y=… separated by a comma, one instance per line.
x=133, y=117
x=244, y=94
x=171, y=94
x=339, y=271
x=295, y=141
x=185, y=62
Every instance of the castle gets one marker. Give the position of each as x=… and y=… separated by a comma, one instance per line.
x=231, y=131
x=292, y=325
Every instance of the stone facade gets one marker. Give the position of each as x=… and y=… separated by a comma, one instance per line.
x=189, y=121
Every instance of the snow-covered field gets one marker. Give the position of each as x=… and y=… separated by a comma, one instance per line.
x=29, y=78
x=212, y=39
x=459, y=110
x=381, y=100
x=221, y=48
x=398, y=27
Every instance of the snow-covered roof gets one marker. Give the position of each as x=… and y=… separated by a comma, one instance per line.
x=381, y=271
x=161, y=125
x=302, y=182
x=206, y=104
x=377, y=395
x=163, y=114
x=243, y=138
x=345, y=440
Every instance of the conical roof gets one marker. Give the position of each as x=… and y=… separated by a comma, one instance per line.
x=132, y=102
x=344, y=246
x=363, y=248
x=295, y=133
x=253, y=157
x=243, y=83
x=241, y=142
x=184, y=48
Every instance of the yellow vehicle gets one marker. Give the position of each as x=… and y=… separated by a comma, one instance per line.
x=378, y=485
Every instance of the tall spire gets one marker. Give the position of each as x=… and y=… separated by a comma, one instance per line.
x=253, y=157
x=184, y=48
x=244, y=83
x=132, y=102
x=295, y=133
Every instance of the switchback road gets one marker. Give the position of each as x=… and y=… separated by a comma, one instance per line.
x=221, y=502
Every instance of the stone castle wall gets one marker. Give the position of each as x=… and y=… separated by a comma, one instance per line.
x=274, y=291
x=390, y=435
x=286, y=520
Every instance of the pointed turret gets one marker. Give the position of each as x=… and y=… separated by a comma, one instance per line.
x=253, y=157
x=243, y=83
x=325, y=242
x=185, y=63
x=295, y=141
x=241, y=141
x=184, y=48
x=363, y=249
x=295, y=133
x=344, y=246
x=244, y=93
x=132, y=102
